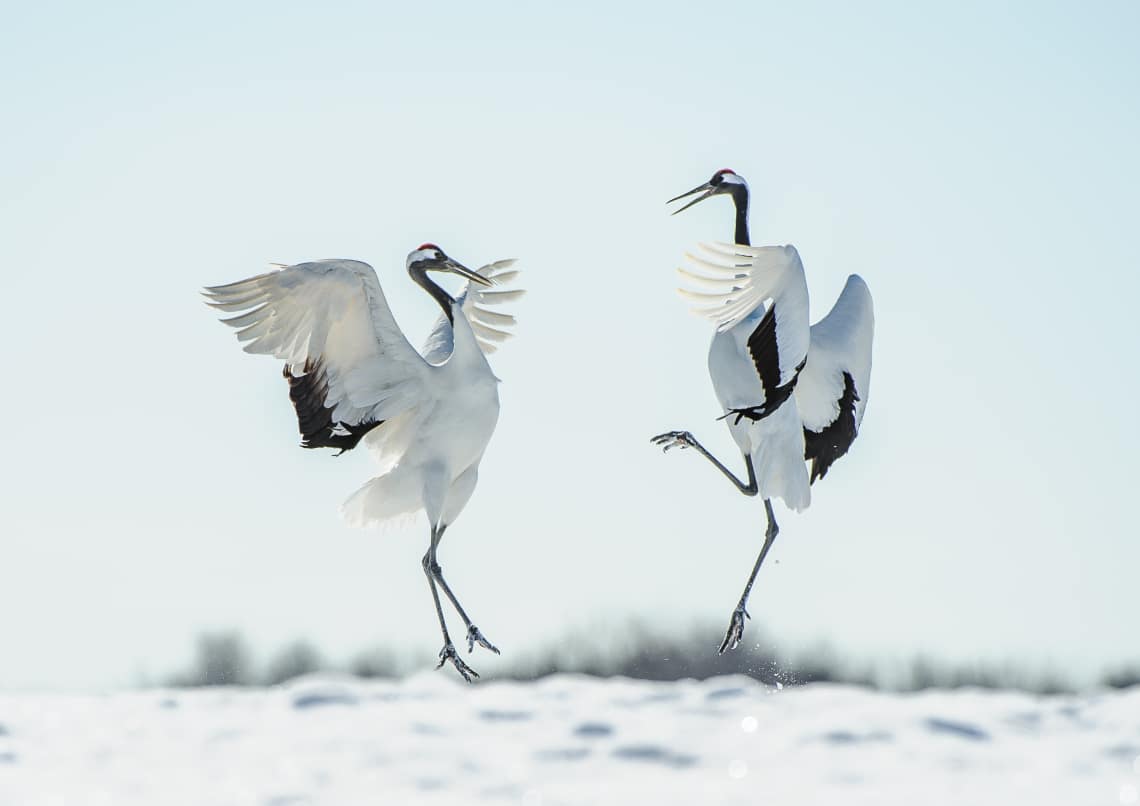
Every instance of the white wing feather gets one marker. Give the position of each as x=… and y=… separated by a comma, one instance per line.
x=739, y=285
x=490, y=327
x=840, y=342
x=331, y=312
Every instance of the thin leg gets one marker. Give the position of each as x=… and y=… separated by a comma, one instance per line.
x=474, y=636
x=736, y=626
x=683, y=439
x=448, y=652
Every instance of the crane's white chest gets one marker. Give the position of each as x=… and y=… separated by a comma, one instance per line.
x=465, y=417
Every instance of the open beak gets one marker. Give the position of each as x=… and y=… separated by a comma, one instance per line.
x=455, y=267
x=708, y=189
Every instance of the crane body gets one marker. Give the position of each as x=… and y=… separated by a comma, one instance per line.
x=354, y=378
x=793, y=394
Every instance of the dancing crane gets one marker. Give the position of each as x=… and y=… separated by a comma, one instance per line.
x=353, y=376
x=791, y=395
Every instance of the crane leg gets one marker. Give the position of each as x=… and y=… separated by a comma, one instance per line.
x=683, y=439
x=474, y=636
x=735, y=632
x=448, y=652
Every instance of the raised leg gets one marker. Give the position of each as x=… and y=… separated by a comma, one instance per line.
x=474, y=636
x=683, y=439
x=448, y=652
x=736, y=625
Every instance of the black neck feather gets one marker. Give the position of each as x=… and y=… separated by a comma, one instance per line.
x=740, y=199
x=419, y=274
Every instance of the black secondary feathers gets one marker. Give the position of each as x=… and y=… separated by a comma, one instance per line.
x=822, y=448
x=309, y=392
x=765, y=352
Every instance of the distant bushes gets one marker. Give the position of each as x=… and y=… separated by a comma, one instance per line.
x=223, y=658
x=648, y=656
x=645, y=655
x=1123, y=677
x=296, y=659
x=220, y=659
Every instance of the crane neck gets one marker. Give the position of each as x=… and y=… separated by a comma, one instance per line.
x=740, y=199
x=445, y=300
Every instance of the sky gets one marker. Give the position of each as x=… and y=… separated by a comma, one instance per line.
x=976, y=165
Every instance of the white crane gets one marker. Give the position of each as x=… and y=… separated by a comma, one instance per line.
x=792, y=395
x=353, y=376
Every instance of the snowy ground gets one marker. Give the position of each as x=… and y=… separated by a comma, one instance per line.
x=567, y=740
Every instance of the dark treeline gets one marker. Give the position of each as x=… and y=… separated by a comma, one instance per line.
x=224, y=658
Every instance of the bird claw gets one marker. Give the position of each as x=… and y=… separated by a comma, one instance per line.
x=673, y=439
x=475, y=637
x=448, y=653
x=735, y=633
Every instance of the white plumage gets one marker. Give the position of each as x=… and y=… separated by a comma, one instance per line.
x=353, y=376
x=793, y=394
x=331, y=313
x=740, y=285
x=458, y=421
x=840, y=342
x=756, y=280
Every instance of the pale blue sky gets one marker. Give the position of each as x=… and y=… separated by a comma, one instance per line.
x=977, y=166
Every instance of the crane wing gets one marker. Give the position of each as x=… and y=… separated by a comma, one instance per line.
x=349, y=366
x=834, y=385
x=758, y=295
x=490, y=327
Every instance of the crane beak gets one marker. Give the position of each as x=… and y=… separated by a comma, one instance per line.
x=708, y=189
x=455, y=267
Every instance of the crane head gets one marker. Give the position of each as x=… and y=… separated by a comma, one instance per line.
x=429, y=257
x=723, y=181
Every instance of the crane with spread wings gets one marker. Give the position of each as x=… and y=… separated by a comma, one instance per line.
x=793, y=394
x=353, y=377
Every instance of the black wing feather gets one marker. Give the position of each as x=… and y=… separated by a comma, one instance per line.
x=765, y=352
x=309, y=392
x=766, y=355
x=822, y=448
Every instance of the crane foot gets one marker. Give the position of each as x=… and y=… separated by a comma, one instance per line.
x=475, y=637
x=448, y=653
x=673, y=439
x=735, y=632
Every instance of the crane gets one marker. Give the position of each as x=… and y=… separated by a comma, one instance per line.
x=792, y=395
x=353, y=377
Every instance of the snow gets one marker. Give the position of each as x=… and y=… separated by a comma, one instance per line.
x=567, y=740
